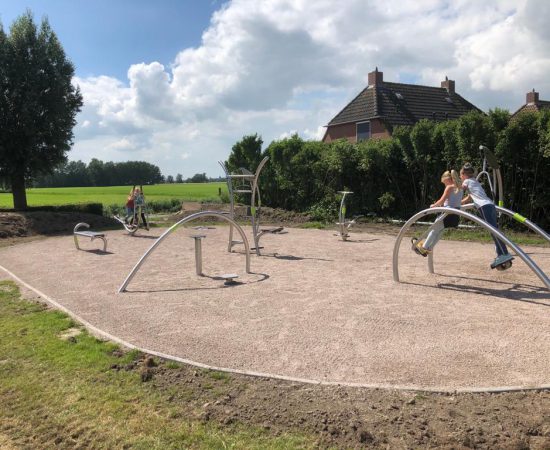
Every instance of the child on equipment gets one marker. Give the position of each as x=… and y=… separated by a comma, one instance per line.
x=452, y=196
x=130, y=207
x=487, y=209
x=139, y=206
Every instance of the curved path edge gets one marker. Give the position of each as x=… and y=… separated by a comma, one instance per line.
x=101, y=333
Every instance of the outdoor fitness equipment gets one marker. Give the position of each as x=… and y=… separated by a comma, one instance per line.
x=137, y=220
x=140, y=216
x=344, y=224
x=246, y=182
x=496, y=233
x=198, y=253
x=87, y=233
x=491, y=170
x=490, y=161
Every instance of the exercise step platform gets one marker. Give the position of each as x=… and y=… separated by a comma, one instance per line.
x=229, y=278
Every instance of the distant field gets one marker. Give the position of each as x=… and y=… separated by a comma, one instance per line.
x=116, y=194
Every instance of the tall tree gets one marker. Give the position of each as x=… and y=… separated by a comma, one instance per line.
x=247, y=153
x=38, y=103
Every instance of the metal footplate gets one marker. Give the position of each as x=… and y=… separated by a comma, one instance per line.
x=229, y=279
x=502, y=262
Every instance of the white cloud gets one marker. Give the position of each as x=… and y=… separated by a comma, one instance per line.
x=273, y=67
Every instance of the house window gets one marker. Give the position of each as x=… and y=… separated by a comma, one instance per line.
x=363, y=131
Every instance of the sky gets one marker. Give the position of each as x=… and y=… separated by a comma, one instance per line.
x=178, y=82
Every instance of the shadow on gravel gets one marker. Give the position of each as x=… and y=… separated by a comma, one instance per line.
x=294, y=258
x=98, y=252
x=264, y=277
x=511, y=291
x=360, y=241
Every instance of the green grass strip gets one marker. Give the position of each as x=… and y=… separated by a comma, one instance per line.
x=59, y=391
x=117, y=194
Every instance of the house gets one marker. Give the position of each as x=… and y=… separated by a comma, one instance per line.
x=383, y=105
x=532, y=104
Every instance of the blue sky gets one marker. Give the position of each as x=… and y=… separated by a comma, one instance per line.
x=178, y=82
x=105, y=37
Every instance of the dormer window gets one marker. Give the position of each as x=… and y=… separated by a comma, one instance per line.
x=363, y=131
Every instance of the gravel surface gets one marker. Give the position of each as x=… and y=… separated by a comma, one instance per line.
x=315, y=308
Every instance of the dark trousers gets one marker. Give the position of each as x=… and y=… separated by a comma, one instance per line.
x=489, y=215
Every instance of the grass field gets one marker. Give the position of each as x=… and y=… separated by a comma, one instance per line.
x=116, y=194
x=65, y=391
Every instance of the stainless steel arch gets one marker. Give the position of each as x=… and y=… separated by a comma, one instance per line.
x=518, y=217
x=176, y=226
x=519, y=252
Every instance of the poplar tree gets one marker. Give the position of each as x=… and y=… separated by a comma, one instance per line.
x=38, y=104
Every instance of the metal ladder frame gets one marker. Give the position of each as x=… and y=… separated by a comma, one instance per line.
x=248, y=185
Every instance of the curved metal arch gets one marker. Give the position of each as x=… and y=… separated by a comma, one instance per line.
x=176, y=226
x=519, y=218
x=519, y=252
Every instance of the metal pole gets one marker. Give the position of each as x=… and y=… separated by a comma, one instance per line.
x=198, y=253
x=519, y=252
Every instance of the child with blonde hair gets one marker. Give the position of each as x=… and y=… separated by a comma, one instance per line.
x=130, y=207
x=451, y=197
x=139, y=205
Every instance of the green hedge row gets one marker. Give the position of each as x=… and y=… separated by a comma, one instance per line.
x=396, y=177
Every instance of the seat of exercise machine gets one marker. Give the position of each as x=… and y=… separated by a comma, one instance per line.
x=229, y=278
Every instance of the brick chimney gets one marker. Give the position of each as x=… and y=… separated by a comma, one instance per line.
x=532, y=97
x=376, y=77
x=449, y=85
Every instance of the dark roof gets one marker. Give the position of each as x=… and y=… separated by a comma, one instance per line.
x=403, y=104
x=533, y=107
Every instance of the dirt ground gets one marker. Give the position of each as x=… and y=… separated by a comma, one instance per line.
x=351, y=417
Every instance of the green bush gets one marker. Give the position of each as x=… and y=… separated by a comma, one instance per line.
x=224, y=197
x=160, y=206
x=325, y=211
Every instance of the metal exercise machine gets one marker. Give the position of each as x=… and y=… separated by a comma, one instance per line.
x=137, y=221
x=87, y=233
x=246, y=182
x=198, y=251
x=491, y=170
x=498, y=234
x=344, y=224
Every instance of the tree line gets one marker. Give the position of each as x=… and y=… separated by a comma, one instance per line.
x=397, y=176
x=99, y=173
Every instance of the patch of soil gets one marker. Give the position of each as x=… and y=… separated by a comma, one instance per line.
x=344, y=417
x=24, y=224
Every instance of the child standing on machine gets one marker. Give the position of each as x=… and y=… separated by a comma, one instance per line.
x=130, y=207
x=452, y=196
x=139, y=205
x=488, y=213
